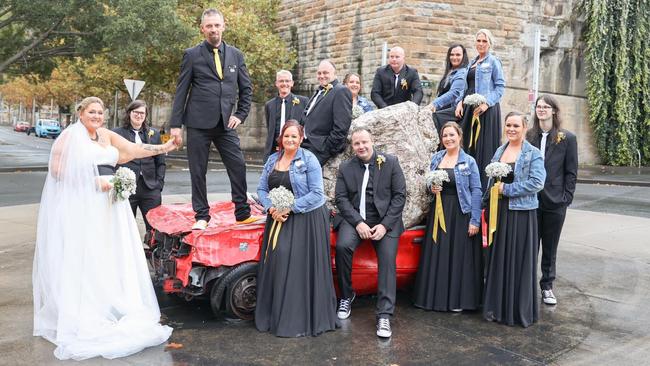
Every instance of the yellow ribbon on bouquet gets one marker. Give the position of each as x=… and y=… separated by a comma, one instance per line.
x=438, y=218
x=273, y=237
x=474, y=139
x=494, y=211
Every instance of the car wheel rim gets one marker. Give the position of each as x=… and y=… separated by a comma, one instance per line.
x=243, y=296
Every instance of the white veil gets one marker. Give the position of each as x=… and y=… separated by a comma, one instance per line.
x=90, y=277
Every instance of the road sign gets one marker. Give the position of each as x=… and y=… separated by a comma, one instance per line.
x=134, y=87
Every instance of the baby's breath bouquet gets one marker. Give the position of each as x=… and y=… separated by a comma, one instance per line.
x=281, y=199
x=356, y=111
x=123, y=184
x=474, y=100
x=497, y=171
x=435, y=178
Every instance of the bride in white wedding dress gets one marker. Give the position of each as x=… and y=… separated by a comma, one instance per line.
x=93, y=295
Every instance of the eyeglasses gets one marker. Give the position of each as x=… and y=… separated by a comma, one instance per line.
x=138, y=113
x=545, y=107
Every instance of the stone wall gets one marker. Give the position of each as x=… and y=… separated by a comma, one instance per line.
x=352, y=34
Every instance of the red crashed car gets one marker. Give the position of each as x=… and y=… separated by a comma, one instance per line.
x=221, y=262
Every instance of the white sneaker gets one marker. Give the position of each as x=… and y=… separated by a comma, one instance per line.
x=345, y=307
x=200, y=225
x=383, y=328
x=548, y=297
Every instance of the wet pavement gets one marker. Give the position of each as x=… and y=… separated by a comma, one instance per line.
x=603, y=289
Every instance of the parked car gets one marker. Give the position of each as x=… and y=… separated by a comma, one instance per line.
x=221, y=262
x=47, y=128
x=21, y=126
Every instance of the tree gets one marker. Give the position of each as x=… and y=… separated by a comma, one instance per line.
x=617, y=33
x=35, y=34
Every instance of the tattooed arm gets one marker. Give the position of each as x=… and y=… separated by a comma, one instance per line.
x=129, y=151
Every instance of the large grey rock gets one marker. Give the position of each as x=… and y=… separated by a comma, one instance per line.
x=404, y=130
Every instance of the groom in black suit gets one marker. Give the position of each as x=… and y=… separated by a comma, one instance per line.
x=370, y=196
x=328, y=115
x=396, y=82
x=213, y=78
x=280, y=109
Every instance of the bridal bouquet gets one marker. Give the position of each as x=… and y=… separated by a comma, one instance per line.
x=435, y=178
x=281, y=199
x=124, y=184
x=497, y=171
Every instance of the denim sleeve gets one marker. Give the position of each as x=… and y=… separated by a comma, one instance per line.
x=315, y=193
x=531, y=184
x=263, y=188
x=498, y=82
x=455, y=93
x=475, y=189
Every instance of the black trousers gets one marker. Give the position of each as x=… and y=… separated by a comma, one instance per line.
x=198, y=151
x=322, y=159
x=145, y=199
x=386, y=249
x=549, y=222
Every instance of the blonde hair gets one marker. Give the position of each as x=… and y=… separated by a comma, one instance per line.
x=88, y=101
x=488, y=35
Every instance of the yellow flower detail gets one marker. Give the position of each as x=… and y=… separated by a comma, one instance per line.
x=404, y=84
x=295, y=101
x=150, y=133
x=380, y=160
x=560, y=136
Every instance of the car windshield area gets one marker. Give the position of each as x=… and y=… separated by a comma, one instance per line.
x=50, y=123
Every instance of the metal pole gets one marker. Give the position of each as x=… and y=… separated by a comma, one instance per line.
x=384, y=54
x=117, y=91
x=34, y=111
x=537, y=50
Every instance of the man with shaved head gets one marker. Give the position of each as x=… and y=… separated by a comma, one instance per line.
x=328, y=115
x=396, y=82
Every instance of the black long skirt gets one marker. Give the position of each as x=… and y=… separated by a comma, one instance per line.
x=489, y=137
x=449, y=274
x=511, y=283
x=295, y=291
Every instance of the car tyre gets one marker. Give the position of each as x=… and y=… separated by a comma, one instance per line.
x=240, y=292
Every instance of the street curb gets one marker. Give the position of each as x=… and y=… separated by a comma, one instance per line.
x=629, y=183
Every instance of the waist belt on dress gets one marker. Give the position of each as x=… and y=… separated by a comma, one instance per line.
x=105, y=169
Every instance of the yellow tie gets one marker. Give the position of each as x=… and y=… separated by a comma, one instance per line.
x=217, y=61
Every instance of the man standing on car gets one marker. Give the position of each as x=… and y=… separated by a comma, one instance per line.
x=213, y=78
x=370, y=196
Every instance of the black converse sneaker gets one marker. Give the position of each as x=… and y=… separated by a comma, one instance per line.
x=345, y=307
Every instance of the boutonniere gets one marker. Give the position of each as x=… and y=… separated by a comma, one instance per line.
x=328, y=87
x=560, y=136
x=150, y=133
x=295, y=101
x=380, y=160
x=404, y=84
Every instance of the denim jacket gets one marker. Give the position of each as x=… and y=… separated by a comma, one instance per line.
x=529, y=177
x=489, y=80
x=468, y=183
x=306, y=179
x=458, y=81
x=365, y=104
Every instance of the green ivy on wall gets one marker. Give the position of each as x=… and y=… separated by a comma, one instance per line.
x=617, y=35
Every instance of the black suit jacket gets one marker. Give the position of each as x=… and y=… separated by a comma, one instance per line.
x=384, y=92
x=561, y=163
x=328, y=122
x=389, y=193
x=203, y=99
x=152, y=168
x=293, y=111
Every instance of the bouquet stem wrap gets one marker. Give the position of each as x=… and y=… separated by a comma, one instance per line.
x=494, y=211
x=438, y=218
x=281, y=199
x=273, y=236
x=473, y=138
